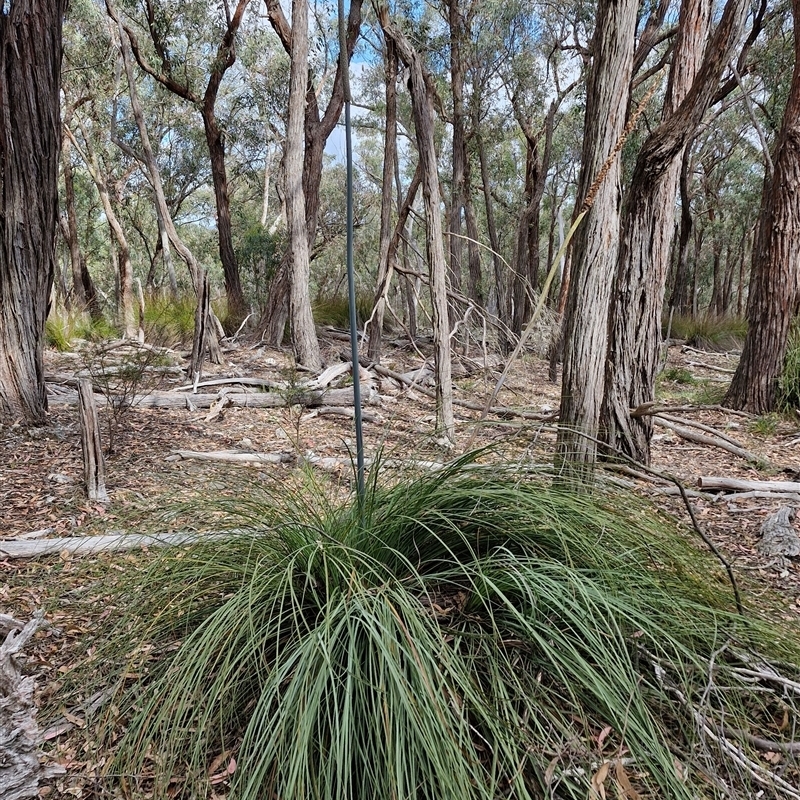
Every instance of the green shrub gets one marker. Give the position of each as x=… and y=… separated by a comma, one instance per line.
x=56, y=334
x=710, y=332
x=709, y=393
x=461, y=635
x=765, y=425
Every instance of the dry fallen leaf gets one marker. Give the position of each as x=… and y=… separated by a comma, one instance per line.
x=597, y=788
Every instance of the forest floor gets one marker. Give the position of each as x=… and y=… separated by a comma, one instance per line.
x=41, y=492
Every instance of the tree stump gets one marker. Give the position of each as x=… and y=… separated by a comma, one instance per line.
x=93, y=464
x=779, y=539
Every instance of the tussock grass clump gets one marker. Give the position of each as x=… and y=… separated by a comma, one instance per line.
x=63, y=328
x=168, y=320
x=334, y=310
x=711, y=332
x=788, y=394
x=464, y=634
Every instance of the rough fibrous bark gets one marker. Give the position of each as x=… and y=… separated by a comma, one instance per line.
x=597, y=240
x=93, y=462
x=648, y=224
x=774, y=295
x=30, y=143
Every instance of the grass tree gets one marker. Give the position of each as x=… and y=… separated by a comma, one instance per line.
x=462, y=634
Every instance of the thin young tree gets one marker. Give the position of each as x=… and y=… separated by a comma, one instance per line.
x=423, y=112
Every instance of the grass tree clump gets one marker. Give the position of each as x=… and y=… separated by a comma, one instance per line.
x=463, y=634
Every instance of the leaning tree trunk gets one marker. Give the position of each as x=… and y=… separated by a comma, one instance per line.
x=634, y=328
x=30, y=142
x=375, y=327
x=775, y=271
x=597, y=240
x=422, y=109
x=204, y=331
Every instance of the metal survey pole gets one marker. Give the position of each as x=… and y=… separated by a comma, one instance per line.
x=344, y=65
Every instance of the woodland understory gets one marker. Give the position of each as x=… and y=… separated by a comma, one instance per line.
x=568, y=243
x=162, y=465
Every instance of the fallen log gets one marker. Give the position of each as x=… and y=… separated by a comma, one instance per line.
x=690, y=423
x=713, y=441
x=232, y=457
x=178, y=400
x=712, y=483
x=264, y=383
x=91, y=545
x=342, y=411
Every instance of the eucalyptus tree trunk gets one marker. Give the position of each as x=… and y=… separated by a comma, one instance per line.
x=204, y=333
x=126, y=308
x=30, y=142
x=375, y=327
x=500, y=278
x=597, y=239
x=680, y=300
x=634, y=328
x=526, y=261
x=84, y=293
x=422, y=109
x=174, y=78
x=304, y=336
x=475, y=282
x=774, y=296
x=317, y=128
x=459, y=160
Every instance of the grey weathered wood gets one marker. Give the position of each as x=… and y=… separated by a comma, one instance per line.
x=90, y=545
x=232, y=457
x=714, y=441
x=93, y=463
x=778, y=536
x=737, y=485
x=299, y=396
x=19, y=734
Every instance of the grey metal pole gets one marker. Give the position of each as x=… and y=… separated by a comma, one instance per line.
x=344, y=65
